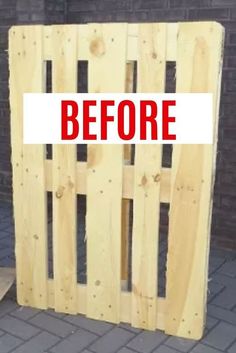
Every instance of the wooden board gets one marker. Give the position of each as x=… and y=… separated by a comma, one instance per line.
x=127, y=182
x=199, y=63
x=64, y=79
x=26, y=56
x=148, y=159
x=125, y=307
x=132, y=41
x=104, y=180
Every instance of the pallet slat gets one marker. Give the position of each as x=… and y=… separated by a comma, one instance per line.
x=127, y=183
x=26, y=55
x=198, y=69
x=147, y=170
x=125, y=308
x=64, y=79
x=104, y=181
x=132, y=41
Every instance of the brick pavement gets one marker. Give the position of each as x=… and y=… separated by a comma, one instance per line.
x=26, y=330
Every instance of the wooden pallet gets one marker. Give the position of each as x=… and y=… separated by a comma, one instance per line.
x=109, y=181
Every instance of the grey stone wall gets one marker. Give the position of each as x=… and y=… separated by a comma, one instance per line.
x=83, y=11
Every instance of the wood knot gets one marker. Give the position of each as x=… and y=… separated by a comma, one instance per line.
x=156, y=178
x=97, y=47
x=143, y=180
x=59, y=192
x=70, y=183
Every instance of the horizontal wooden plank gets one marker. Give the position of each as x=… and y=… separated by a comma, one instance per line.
x=125, y=313
x=132, y=48
x=128, y=180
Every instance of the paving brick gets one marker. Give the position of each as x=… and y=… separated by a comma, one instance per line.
x=6, y=306
x=221, y=337
x=165, y=349
x=213, y=289
x=17, y=327
x=146, y=341
x=202, y=348
x=210, y=322
x=75, y=343
x=24, y=313
x=232, y=349
x=112, y=341
x=8, y=342
x=224, y=280
x=95, y=326
x=52, y=324
x=38, y=344
x=228, y=269
x=222, y=314
x=215, y=263
x=181, y=344
x=226, y=299
x=125, y=350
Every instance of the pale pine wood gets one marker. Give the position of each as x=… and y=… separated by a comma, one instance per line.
x=199, y=63
x=148, y=159
x=132, y=42
x=125, y=308
x=127, y=183
x=26, y=56
x=64, y=79
x=104, y=180
x=151, y=58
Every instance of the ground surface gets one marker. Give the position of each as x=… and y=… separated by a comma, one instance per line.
x=24, y=330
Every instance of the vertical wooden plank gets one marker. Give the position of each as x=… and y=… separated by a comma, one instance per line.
x=64, y=79
x=29, y=195
x=199, y=61
x=148, y=158
x=107, y=67
x=126, y=203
